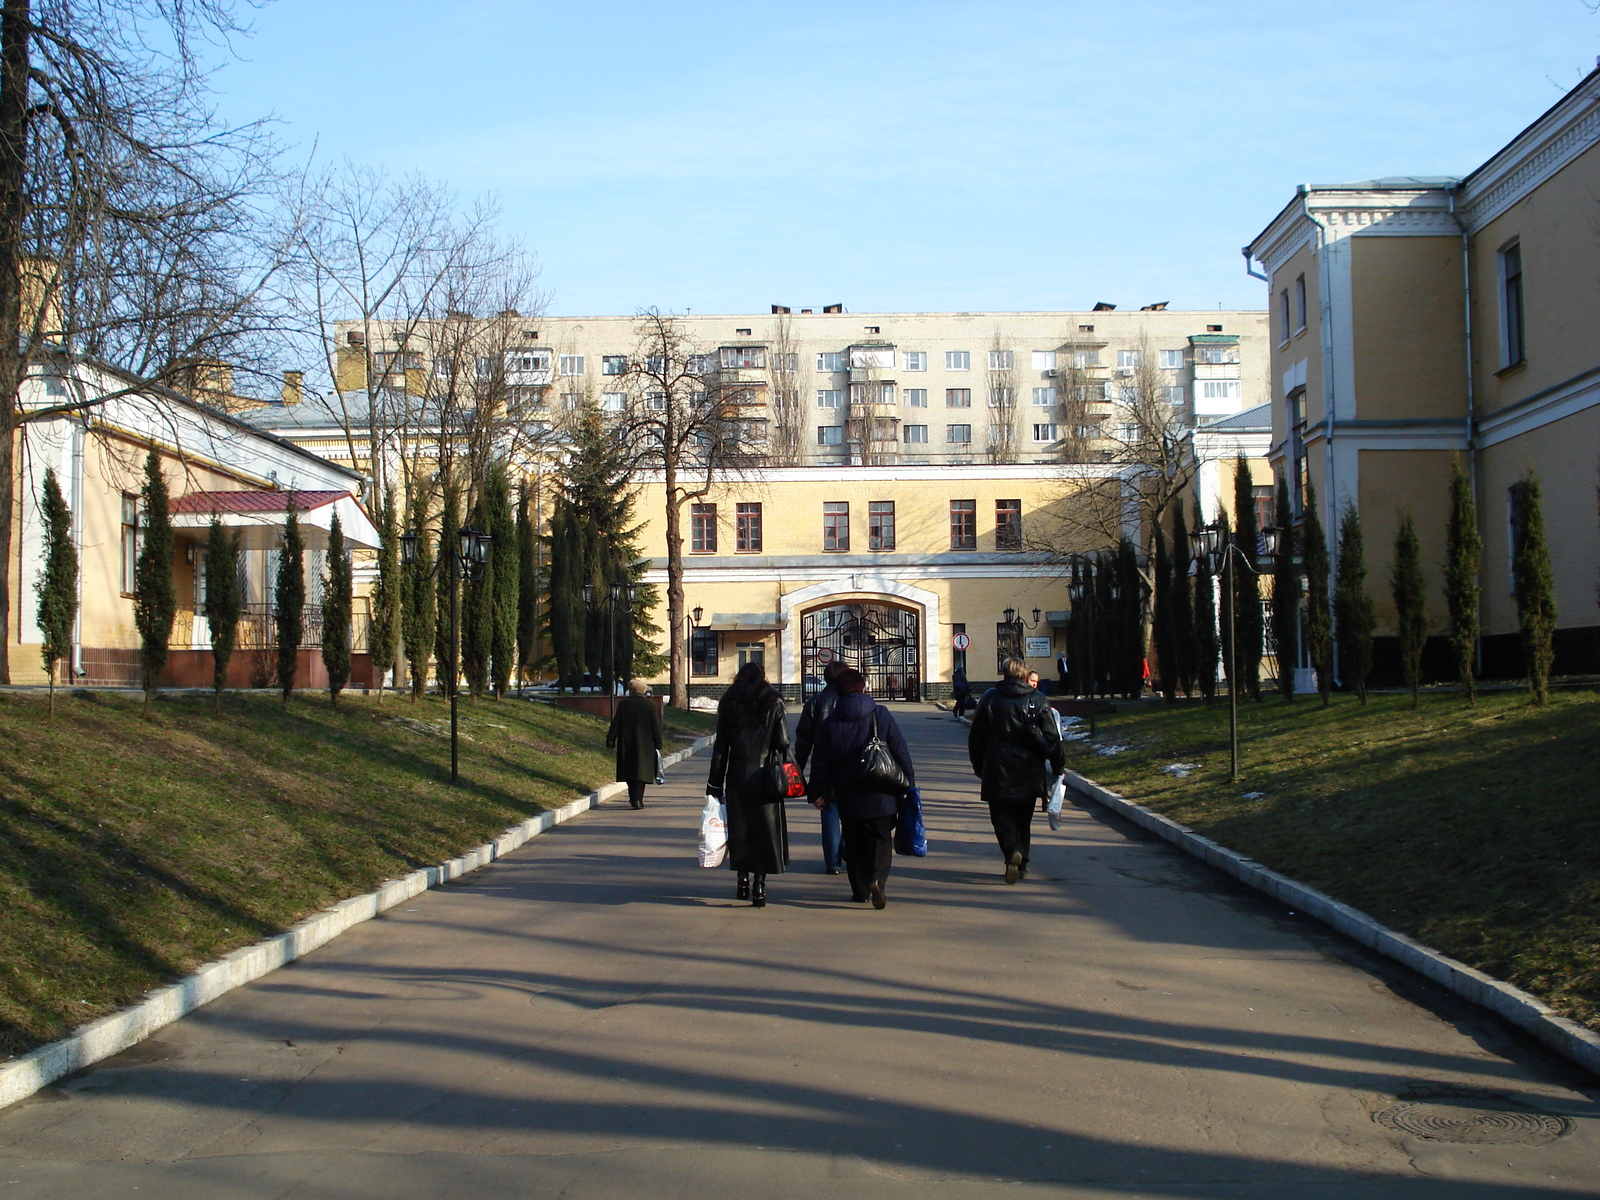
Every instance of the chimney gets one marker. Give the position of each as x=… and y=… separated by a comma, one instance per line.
x=293, y=387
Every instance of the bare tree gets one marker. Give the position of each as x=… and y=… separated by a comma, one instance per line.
x=1001, y=442
x=128, y=222
x=688, y=417
x=870, y=430
x=788, y=415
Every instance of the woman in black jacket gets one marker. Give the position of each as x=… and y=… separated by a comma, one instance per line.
x=1015, y=748
x=868, y=815
x=751, y=735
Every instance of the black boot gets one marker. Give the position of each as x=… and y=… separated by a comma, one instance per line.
x=743, y=892
x=758, y=891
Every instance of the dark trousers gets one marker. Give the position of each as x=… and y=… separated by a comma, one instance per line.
x=635, y=791
x=1013, y=827
x=868, y=852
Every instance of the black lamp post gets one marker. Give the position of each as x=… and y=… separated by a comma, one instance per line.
x=1221, y=554
x=463, y=560
x=617, y=593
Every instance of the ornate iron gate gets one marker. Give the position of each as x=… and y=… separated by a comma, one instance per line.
x=881, y=641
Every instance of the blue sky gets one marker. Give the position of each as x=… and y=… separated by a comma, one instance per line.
x=721, y=157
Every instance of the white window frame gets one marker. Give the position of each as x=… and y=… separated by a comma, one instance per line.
x=1172, y=360
x=1003, y=397
x=1044, y=397
x=830, y=397
x=830, y=361
x=569, y=365
x=916, y=397
x=1128, y=358
x=1044, y=360
x=950, y=435
x=1001, y=360
x=1086, y=358
x=1048, y=429
x=916, y=360
x=613, y=401
x=915, y=435
x=958, y=360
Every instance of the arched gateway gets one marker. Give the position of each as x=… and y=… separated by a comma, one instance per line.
x=880, y=639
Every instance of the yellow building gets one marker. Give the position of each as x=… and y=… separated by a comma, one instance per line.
x=1420, y=320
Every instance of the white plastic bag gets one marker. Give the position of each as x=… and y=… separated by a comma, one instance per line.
x=713, y=833
x=1058, y=796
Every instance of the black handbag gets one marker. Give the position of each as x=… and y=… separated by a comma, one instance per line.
x=879, y=771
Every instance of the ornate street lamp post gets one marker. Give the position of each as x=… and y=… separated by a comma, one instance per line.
x=624, y=594
x=1221, y=555
x=463, y=560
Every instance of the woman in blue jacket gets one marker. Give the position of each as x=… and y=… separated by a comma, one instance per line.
x=868, y=816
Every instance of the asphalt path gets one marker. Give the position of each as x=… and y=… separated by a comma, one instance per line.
x=595, y=1016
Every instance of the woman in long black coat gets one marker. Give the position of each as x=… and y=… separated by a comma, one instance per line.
x=751, y=735
x=636, y=734
x=868, y=815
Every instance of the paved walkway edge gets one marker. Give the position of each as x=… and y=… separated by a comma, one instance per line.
x=1526, y=1012
x=115, y=1033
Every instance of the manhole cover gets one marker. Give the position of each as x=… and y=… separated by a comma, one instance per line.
x=1476, y=1122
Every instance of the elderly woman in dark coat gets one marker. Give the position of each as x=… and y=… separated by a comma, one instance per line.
x=1015, y=748
x=751, y=735
x=636, y=734
x=868, y=815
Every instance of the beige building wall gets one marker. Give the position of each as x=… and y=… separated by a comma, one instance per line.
x=1394, y=482
x=1407, y=328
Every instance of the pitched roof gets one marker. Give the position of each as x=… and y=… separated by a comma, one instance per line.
x=1251, y=420
x=253, y=502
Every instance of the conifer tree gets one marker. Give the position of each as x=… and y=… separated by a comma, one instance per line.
x=289, y=602
x=155, y=600
x=1128, y=617
x=337, y=605
x=1536, y=598
x=386, y=593
x=1463, y=559
x=446, y=653
x=1285, y=596
x=1247, y=620
x=1354, y=614
x=57, y=585
x=1319, y=620
x=417, y=593
x=1161, y=618
x=224, y=603
x=566, y=617
x=1407, y=586
x=1185, y=651
x=529, y=584
x=505, y=577
x=1205, y=631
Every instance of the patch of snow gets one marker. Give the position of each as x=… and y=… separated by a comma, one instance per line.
x=1179, y=770
x=1252, y=795
x=1108, y=751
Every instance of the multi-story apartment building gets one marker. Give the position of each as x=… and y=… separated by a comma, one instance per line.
x=1416, y=321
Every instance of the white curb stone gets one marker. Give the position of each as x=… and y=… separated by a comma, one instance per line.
x=161, y=1006
x=1526, y=1012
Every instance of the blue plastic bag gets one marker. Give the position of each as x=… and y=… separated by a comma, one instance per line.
x=910, y=836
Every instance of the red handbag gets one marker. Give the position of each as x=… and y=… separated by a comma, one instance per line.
x=794, y=782
x=784, y=781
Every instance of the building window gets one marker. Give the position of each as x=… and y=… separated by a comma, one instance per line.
x=572, y=401
x=744, y=358
x=1266, y=502
x=754, y=431
x=830, y=435
x=880, y=525
x=829, y=361
x=1044, y=397
x=1283, y=314
x=1300, y=304
x=836, y=525
x=958, y=434
x=1511, y=326
x=1086, y=358
x=1127, y=358
x=916, y=360
x=915, y=433
x=570, y=364
x=963, y=524
x=1172, y=360
x=1008, y=524
x=613, y=364
x=1001, y=360
x=1173, y=395
x=703, y=528
x=916, y=397
x=1219, y=389
x=1002, y=397
x=751, y=652
x=1044, y=433
x=613, y=402
x=656, y=401
x=703, y=652
x=1044, y=360
x=747, y=529
x=1217, y=354
x=697, y=364
x=830, y=397
x=958, y=397
x=786, y=362
x=957, y=360
x=130, y=540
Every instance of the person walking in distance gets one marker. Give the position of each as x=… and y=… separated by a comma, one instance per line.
x=751, y=736
x=1064, y=673
x=635, y=734
x=1033, y=682
x=1016, y=750
x=805, y=736
x=960, y=691
x=868, y=813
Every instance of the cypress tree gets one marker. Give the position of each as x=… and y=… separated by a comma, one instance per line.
x=386, y=593
x=1463, y=559
x=1247, y=619
x=289, y=602
x=336, y=610
x=505, y=577
x=1227, y=607
x=155, y=600
x=1205, y=631
x=1408, y=588
x=1161, y=619
x=418, y=612
x=445, y=653
x=528, y=584
x=1319, y=621
x=1128, y=617
x=1185, y=652
x=57, y=585
x=1536, y=599
x=1285, y=596
x=565, y=618
x=477, y=613
x=1354, y=614
x=224, y=603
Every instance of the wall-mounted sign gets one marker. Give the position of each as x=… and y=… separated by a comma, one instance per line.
x=1038, y=647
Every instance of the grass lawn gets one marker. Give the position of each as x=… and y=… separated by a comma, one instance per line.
x=134, y=850
x=1474, y=829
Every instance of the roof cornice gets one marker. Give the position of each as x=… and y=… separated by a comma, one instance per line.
x=1567, y=129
